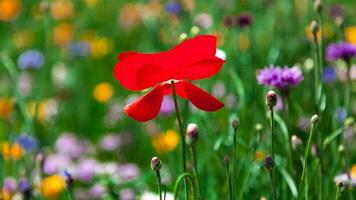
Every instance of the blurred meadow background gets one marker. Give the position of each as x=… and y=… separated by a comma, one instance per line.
x=64, y=135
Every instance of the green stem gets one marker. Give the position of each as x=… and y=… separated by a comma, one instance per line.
x=337, y=193
x=195, y=171
x=228, y=176
x=348, y=87
x=273, y=186
x=11, y=68
x=234, y=165
x=180, y=123
x=317, y=86
x=273, y=129
x=159, y=184
x=181, y=178
x=306, y=153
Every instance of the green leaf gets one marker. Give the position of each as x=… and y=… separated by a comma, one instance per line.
x=289, y=181
x=332, y=136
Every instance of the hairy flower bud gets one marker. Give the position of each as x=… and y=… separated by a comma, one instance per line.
x=226, y=159
x=318, y=6
x=269, y=163
x=314, y=27
x=297, y=143
x=192, y=134
x=271, y=99
x=235, y=124
x=314, y=119
x=156, y=164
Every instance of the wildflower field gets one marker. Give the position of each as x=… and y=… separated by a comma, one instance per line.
x=177, y=99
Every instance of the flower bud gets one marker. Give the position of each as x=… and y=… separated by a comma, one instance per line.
x=192, y=134
x=314, y=119
x=314, y=27
x=226, y=159
x=235, y=124
x=340, y=185
x=297, y=143
x=318, y=6
x=271, y=99
x=349, y=122
x=194, y=30
x=183, y=36
x=341, y=148
x=269, y=163
x=339, y=21
x=258, y=127
x=156, y=164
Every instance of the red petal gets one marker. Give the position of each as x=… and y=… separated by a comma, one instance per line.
x=179, y=89
x=147, y=106
x=192, y=59
x=200, y=98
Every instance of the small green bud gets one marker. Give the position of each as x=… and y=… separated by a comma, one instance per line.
x=314, y=119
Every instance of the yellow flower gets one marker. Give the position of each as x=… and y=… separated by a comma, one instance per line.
x=9, y=9
x=41, y=110
x=5, y=107
x=91, y=3
x=103, y=92
x=52, y=186
x=350, y=34
x=6, y=195
x=353, y=170
x=63, y=34
x=259, y=156
x=166, y=141
x=22, y=39
x=12, y=152
x=62, y=9
x=100, y=47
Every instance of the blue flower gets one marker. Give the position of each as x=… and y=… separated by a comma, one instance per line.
x=329, y=74
x=30, y=59
x=27, y=142
x=341, y=114
x=79, y=49
x=173, y=7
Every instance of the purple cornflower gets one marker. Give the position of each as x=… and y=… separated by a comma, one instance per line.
x=86, y=170
x=344, y=51
x=10, y=184
x=56, y=163
x=329, y=74
x=167, y=105
x=173, y=7
x=24, y=185
x=111, y=142
x=31, y=59
x=244, y=20
x=127, y=194
x=98, y=191
x=281, y=78
x=70, y=145
x=128, y=172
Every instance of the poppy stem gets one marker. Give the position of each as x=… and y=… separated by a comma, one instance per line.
x=180, y=123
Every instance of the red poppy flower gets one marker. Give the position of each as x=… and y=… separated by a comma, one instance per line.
x=193, y=59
